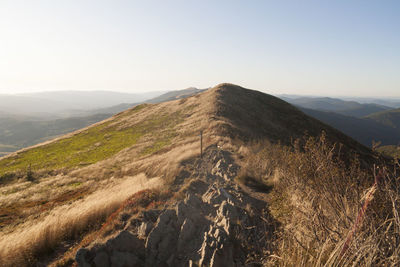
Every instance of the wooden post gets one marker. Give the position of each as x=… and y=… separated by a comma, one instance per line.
x=201, y=144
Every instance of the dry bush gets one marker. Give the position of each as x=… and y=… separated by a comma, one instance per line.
x=318, y=199
x=36, y=238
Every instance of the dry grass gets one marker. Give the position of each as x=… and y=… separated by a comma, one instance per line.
x=319, y=199
x=141, y=200
x=62, y=203
x=37, y=237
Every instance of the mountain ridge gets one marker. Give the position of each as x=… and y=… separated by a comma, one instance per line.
x=155, y=144
x=245, y=110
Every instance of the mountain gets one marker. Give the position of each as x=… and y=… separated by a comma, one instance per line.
x=366, y=123
x=364, y=130
x=390, y=118
x=392, y=102
x=137, y=189
x=349, y=108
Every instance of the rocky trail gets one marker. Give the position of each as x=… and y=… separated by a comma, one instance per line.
x=217, y=224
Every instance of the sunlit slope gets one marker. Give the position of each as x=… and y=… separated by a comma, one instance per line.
x=226, y=110
x=101, y=141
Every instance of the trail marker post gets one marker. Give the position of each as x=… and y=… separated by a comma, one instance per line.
x=201, y=144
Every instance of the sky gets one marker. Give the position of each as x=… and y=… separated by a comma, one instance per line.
x=347, y=48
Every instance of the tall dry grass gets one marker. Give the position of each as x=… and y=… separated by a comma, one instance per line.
x=331, y=212
x=37, y=237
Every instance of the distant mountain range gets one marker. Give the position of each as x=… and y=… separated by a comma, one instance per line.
x=172, y=95
x=349, y=108
x=388, y=102
x=49, y=117
x=364, y=130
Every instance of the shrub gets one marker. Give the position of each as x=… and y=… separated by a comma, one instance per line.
x=29, y=174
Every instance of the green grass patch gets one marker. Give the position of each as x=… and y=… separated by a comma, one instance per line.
x=75, y=184
x=96, y=143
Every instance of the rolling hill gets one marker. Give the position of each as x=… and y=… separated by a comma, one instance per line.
x=135, y=189
x=364, y=130
x=390, y=118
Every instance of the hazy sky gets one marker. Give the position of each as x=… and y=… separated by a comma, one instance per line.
x=296, y=47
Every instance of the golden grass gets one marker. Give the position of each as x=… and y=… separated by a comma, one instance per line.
x=61, y=204
x=318, y=200
x=39, y=236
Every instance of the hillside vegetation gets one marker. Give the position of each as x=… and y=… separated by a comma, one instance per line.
x=273, y=186
x=331, y=212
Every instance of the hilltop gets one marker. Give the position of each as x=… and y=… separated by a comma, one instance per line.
x=135, y=186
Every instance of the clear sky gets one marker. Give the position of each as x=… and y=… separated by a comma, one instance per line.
x=294, y=47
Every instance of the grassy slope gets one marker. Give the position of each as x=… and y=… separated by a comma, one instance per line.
x=95, y=143
x=148, y=140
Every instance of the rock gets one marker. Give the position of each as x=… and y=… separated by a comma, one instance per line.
x=144, y=229
x=125, y=242
x=101, y=259
x=124, y=259
x=193, y=200
x=222, y=257
x=227, y=215
x=161, y=242
x=215, y=195
x=182, y=212
x=186, y=234
x=81, y=257
x=209, y=228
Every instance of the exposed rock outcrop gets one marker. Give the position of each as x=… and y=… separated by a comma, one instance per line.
x=212, y=226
